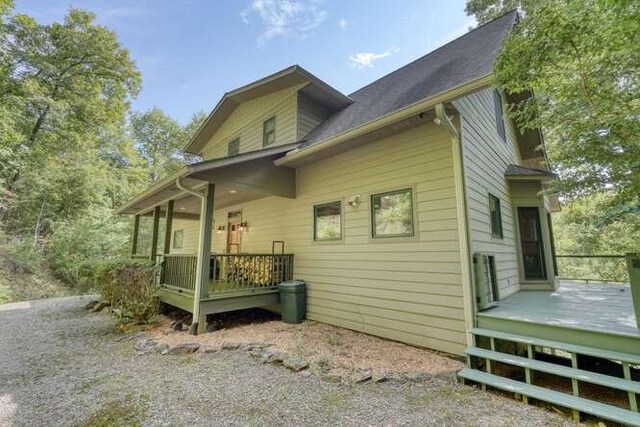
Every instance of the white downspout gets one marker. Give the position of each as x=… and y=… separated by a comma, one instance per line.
x=468, y=291
x=198, y=285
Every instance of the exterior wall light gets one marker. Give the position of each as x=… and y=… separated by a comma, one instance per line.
x=221, y=228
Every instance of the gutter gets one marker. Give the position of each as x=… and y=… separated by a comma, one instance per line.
x=462, y=214
x=406, y=112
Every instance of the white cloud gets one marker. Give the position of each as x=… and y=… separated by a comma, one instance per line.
x=285, y=18
x=365, y=59
x=343, y=24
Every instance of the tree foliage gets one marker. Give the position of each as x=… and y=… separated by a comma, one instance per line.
x=580, y=59
x=71, y=150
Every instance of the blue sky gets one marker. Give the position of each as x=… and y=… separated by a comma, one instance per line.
x=191, y=52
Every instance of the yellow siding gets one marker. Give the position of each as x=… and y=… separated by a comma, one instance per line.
x=486, y=157
x=403, y=289
x=247, y=119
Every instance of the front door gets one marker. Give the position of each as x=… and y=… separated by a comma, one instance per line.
x=233, y=237
x=531, y=243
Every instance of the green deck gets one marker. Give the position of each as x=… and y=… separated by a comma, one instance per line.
x=596, y=315
x=222, y=300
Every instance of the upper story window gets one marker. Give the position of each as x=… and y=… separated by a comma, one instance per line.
x=497, y=104
x=327, y=221
x=496, y=216
x=392, y=214
x=233, y=147
x=269, y=132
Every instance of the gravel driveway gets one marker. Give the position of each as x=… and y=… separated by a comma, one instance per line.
x=61, y=365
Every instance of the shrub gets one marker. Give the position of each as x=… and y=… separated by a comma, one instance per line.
x=130, y=287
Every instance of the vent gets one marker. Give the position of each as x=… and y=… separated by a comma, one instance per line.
x=486, y=280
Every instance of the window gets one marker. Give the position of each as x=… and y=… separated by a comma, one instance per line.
x=496, y=216
x=233, y=147
x=177, y=239
x=392, y=214
x=269, y=132
x=327, y=221
x=497, y=104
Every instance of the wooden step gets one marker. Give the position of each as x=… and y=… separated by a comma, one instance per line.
x=601, y=410
x=552, y=368
x=571, y=348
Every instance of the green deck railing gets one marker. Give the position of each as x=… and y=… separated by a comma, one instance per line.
x=228, y=272
x=593, y=268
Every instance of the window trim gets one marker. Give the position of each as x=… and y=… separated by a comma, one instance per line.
x=264, y=131
x=498, y=106
x=313, y=226
x=499, y=234
x=229, y=146
x=372, y=222
x=177, y=233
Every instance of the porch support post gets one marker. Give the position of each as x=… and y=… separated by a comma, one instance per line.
x=167, y=227
x=204, y=255
x=136, y=231
x=154, y=234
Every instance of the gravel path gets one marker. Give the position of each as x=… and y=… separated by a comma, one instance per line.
x=60, y=365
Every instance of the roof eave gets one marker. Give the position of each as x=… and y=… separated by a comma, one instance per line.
x=379, y=122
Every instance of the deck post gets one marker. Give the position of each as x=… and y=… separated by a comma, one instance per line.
x=633, y=266
x=136, y=232
x=167, y=228
x=154, y=234
x=204, y=255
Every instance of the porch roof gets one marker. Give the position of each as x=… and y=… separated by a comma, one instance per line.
x=238, y=179
x=519, y=173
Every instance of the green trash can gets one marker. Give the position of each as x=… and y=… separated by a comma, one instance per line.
x=293, y=301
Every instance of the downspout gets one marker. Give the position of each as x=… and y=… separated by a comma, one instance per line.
x=468, y=291
x=198, y=285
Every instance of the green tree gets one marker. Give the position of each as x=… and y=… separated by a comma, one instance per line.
x=159, y=140
x=581, y=61
x=63, y=85
x=488, y=10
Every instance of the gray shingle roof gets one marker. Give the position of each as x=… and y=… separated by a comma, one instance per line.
x=465, y=59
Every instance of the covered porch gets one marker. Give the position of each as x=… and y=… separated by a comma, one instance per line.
x=198, y=279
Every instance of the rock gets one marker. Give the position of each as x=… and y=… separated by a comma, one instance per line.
x=146, y=346
x=276, y=356
x=99, y=306
x=91, y=304
x=306, y=373
x=211, y=349
x=416, y=376
x=186, y=348
x=176, y=325
x=332, y=377
x=256, y=352
x=163, y=349
x=295, y=364
x=379, y=378
x=266, y=358
x=230, y=346
x=362, y=377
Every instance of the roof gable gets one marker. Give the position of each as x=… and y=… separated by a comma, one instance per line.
x=289, y=77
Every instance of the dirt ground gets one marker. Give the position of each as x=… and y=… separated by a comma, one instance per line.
x=63, y=365
x=336, y=350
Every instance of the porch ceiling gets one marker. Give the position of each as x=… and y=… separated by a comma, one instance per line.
x=238, y=179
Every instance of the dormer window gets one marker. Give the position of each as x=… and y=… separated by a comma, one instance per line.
x=269, y=132
x=497, y=104
x=233, y=148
